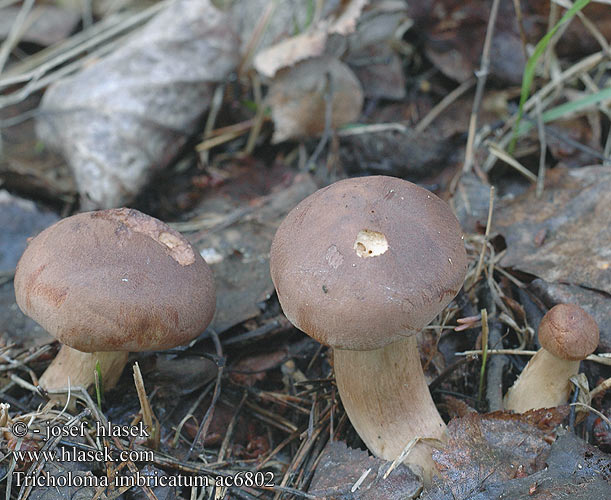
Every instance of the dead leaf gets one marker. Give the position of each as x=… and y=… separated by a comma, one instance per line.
x=177, y=376
x=309, y=43
x=118, y=120
x=252, y=369
x=262, y=24
x=493, y=448
x=455, y=40
x=248, y=438
x=340, y=468
x=19, y=219
x=223, y=414
x=601, y=433
x=404, y=153
x=26, y=167
x=290, y=51
x=454, y=33
x=470, y=203
x=370, y=53
x=345, y=22
x=573, y=469
x=297, y=97
x=578, y=40
x=582, y=130
x=58, y=472
x=45, y=24
x=159, y=487
x=243, y=224
x=575, y=213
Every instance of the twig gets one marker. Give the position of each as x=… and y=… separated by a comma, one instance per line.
x=259, y=117
x=496, y=367
x=148, y=416
x=60, y=56
x=326, y=134
x=277, y=449
x=360, y=480
x=581, y=66
x=7, y=3
x=305, y=447
x=543, y=146
x=271, y=418
x=37, y=466
x=350, y=130
x=230, y=428
x=607, y=151
x=406, y=451
x=215, y=106
x=602, y=387
x=480, y=262
x=603, y=360
x=587, y=407
x=518, y=9
x=257, y=35
x=17, y=29
x=203, y=428
x=293, y=491
x=596, y=34
x=481, y=75
x=497, y=151
x=447, y=372
x=442, y=105
x=485, y=330
x=189, y=415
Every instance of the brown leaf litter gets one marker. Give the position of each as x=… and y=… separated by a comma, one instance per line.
x=516, y=456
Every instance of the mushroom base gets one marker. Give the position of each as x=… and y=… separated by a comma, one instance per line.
x=78, y=369
x=544, y=383
x=388, y=401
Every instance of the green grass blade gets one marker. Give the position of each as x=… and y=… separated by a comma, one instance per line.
x=98, y=383
x=482, y=372
x=531, y=64
x=568, y=108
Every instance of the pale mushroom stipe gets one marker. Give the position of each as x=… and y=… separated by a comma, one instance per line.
x=567, y=335
x=108, y=282
x=362, y=266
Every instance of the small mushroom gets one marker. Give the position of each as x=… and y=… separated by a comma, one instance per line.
x=108, y=282
x=567, y=335
x=362, y=266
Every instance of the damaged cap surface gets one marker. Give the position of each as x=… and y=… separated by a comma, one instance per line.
x=365, y=261
x=115, y=280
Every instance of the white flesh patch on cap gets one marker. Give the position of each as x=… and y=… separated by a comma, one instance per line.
x=370, y=243
x=180, y=250
x=177, y=246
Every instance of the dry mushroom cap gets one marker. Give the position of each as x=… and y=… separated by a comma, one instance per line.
x=568, y=332
x=362, y=266
x=366, y=261
x=115, y=280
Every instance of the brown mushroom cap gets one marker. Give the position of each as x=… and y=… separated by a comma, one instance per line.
x=568, y=332
x=115, y=280
x=366, y=261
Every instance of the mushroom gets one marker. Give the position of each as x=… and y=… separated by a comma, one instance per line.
x=567, y=335
x=108, y=282
x=362, y=266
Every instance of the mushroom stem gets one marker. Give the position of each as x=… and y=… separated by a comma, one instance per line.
x=388, y=401
x=80, y=368
x=544, y=383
